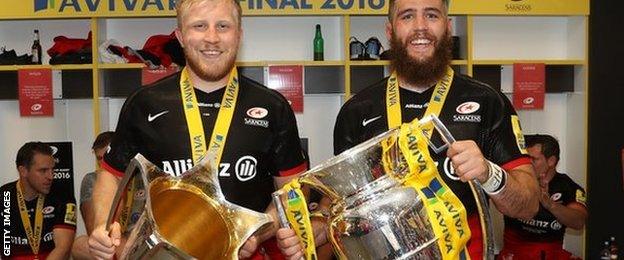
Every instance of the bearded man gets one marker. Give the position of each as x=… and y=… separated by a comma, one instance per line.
x=249, y=125
x=489, y=146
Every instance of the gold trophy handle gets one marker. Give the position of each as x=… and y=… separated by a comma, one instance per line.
x=117, y=201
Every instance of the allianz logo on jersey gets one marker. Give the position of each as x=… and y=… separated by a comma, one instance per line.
x=417, y=106
x=554, y=225
x=24, y=241
x=244, y=169
x=104, y=5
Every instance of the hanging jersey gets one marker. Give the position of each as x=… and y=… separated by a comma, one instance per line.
x=262, y=141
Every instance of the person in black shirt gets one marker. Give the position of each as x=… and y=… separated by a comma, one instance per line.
x=562, y=205
x=40, y=224
x=489, y=146
x=251, y=129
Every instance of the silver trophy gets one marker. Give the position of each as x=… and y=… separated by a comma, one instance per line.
x=373, y=215
x=186, y=217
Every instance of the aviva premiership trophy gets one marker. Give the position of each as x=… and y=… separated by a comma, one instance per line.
x=388, y=200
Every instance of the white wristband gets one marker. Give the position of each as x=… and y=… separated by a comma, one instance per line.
x=497, y=178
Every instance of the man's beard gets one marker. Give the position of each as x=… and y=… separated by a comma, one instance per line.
x=209, y=72
x=421, y=72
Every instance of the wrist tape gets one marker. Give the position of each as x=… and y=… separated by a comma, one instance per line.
x=497, y=178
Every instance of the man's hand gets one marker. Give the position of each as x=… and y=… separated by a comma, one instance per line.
x=248, y=248
x=545, y=200
x=102, y=243
x=289, y=244
x=468, y=161
x=544, y=196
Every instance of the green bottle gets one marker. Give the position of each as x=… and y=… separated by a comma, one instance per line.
x=318, y=44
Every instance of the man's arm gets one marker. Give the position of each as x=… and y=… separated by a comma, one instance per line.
x=518, y=198
x=86, y=210
x=572, y=215
x=86, y=200
x=101, y=244
x=103, y=193
x=63, y=239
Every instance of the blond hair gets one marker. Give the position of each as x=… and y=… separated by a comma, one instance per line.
x=183, y=5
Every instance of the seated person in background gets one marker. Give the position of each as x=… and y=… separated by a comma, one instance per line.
x=562, y=204
x=41, y=225
x=80, y=249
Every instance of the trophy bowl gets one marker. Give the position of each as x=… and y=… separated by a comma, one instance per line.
x=372, y=214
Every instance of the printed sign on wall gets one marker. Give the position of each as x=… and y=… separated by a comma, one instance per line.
x=529, y=85
x=288, y=80
x=35, y=92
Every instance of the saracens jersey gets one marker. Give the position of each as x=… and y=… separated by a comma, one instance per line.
x=262, y=141
x=544, y=227
x=56, y=214
x=472, y=111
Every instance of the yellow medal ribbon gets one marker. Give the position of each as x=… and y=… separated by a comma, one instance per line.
x=193, y=117
x=393, y=99
x=446, y=212
x=299, y=217
x=33, y=233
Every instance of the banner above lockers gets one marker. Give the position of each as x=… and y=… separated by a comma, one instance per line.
x=34, y=9
x=520, y=7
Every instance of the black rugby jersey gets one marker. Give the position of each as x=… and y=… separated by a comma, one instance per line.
x=56, y=214
x=262, y=141
x=472, y=111
x=544, y=227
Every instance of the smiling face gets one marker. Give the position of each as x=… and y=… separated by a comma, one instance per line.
x=419, y=33
x=38, y=175
x=210, y=33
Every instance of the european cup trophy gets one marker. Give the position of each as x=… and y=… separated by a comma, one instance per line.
x=186, y=217
x=387, y=200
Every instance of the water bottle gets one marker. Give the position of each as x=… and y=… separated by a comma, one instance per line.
x=318, y=43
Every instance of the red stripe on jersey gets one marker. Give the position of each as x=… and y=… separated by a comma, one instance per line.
x=295, y=170
x=521, y=248
x=515, y=163
x=475, y=244
x=30, y=256
x=65, y=226
x=112, y=170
